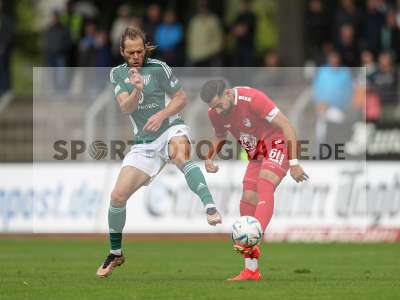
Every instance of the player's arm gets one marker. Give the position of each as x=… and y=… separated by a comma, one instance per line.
x=217, y=144
x=129, y=102
x=282, y=122
x=176, y=105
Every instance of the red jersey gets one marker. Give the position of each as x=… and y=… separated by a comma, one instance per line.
x=248, y=120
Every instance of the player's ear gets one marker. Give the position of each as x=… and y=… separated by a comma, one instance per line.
x=121, y=51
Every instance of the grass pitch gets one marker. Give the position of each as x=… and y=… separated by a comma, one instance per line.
x=65, y=269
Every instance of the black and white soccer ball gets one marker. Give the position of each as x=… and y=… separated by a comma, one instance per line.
x=246, y=231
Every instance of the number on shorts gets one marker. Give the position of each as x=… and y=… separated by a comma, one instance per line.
x=276, y=155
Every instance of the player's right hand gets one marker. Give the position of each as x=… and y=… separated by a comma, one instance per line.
x=298, y=173
x=135, y=78
x=210, y=166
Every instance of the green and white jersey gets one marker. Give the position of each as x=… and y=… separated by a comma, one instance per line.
x=159, y=83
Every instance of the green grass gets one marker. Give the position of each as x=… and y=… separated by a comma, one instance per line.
x=64, y=269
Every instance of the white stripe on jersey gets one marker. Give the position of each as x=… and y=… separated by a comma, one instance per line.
x=166, y=68
x=112, y=80
x=135, y=128
x=272, y=114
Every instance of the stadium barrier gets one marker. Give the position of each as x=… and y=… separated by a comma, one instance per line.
x=343, y=201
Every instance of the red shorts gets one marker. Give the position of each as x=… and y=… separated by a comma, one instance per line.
x=274, y=160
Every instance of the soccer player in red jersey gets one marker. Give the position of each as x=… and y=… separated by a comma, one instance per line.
x=270, y=141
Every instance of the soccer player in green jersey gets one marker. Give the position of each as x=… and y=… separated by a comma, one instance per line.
x=149, y=93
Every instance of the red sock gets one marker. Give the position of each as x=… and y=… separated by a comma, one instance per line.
x=265, y=206
x=246, y=208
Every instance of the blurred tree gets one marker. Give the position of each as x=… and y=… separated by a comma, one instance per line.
x=26, y=48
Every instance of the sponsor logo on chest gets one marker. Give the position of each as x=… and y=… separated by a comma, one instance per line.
x=244, y=98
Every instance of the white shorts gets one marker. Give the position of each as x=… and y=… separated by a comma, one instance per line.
x=152, y=157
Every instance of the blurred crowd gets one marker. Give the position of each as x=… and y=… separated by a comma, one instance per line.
x=341, y=34
x=197, y=42
x=353, y=36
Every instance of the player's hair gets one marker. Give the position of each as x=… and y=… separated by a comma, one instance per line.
x=134, y=33
x=211, y=89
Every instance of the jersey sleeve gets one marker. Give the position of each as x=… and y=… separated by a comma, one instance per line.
x=118, y=84
x=264, y=107
x=168, y=81
x=219, y=130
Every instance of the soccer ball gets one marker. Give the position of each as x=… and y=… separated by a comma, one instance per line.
x=246, y=231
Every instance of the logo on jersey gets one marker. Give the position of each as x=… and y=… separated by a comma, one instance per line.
x=227, y=125
x=247, y=123
x=248, y=141
x=146, y=79
x=245, y=98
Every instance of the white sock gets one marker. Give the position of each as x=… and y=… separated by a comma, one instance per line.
x=251, y=263
x=116, y=252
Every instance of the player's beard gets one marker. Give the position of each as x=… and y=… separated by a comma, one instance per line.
x=228, y=109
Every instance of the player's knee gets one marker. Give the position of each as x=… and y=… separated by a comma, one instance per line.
x=118, y=198
x=179, y=161
x=180, y=158
x=270, y=177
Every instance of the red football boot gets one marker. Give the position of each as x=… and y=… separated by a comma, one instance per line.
x=247, y=274
x=248, y=252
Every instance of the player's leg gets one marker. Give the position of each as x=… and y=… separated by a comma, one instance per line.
x=270, y=174
x=266, y=185
x=179, y=153
x=130, y=179
x=249, y=199
x=248, y=205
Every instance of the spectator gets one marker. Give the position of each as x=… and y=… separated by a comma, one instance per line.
x=348, y=13
x=57, y=43
x=347, y=46
x=103, y=55
x=6, y=33
x=119, y=25
x=365, y=100
x=244, y=29
x=368, y=61
x=169, y=38
x=332, y=93
x=74, y=24
x=87, y=46
x=271, y=76
x=373, y=22
x=384, y=81
x=390, y=36
x=204, y=43
x=151, y=21
x=398, y=13
x=317, y=25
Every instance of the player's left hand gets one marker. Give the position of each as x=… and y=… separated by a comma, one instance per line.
x=154, y=122
x=298, y=173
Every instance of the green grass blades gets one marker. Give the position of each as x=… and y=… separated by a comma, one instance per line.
x=65, y=269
